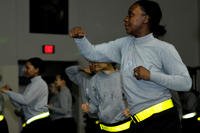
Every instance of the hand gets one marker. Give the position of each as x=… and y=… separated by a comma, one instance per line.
x=85, y=107
x=86, y=70
x=5, y=89
x=141, y=72
x=126, y=112
x=77, y=32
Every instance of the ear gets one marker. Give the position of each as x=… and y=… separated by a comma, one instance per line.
x=37, y=70
x=146, y=19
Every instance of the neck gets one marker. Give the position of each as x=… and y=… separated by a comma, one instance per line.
x=62, y=86
x=143, y=31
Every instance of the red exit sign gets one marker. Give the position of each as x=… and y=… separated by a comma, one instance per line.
x=48, y=49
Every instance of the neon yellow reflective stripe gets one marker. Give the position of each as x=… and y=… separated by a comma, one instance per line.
x=140, y=116
x=118, y=128
x=1, y=117
x=154, y=109
x=198, y=118
x=97, y=122
x=40, y=116
x=24, y=124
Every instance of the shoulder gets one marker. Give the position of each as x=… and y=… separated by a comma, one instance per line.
x=44, y=83
x=163, y=45
x=66, y=90
x=40, y=83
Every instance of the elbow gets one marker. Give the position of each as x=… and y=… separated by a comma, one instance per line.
x=187, y=84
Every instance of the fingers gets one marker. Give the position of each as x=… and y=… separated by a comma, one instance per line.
x=141, y=72
x=126, y=112
x=5, y=88
x=136, y=73
x=77, y=32
x=85, y=107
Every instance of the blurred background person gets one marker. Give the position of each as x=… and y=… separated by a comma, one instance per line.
x=81, y=76
x=108, y=101
x=60, y=106
x=33, y=101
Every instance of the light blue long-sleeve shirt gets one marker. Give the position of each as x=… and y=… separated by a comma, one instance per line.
x=33, y=100
x=108, y=101
x=81, y=79
x=167, y=71
x=61, y=104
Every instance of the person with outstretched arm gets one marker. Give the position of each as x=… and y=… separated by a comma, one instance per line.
x=150, y=67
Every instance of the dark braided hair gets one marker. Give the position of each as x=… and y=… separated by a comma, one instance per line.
x=153, y=10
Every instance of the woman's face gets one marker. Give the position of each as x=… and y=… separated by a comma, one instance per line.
x=58, y=81
x=135, y=20
x=99, y=66
x=30, y=71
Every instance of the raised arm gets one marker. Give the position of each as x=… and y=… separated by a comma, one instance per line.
x=106, y=52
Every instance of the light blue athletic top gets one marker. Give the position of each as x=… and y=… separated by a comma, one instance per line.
x=167, y=71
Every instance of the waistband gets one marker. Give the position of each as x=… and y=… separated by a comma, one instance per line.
x=37, y=117
x=1, y=117
x=142, y=115
x=116, y=127
x=162, y=106
x=189, y=115
x=198, y=118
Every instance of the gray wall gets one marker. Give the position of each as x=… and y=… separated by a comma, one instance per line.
x=181, y=20
x=103, y=20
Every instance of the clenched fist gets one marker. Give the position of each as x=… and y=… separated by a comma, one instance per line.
x=77, y=32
